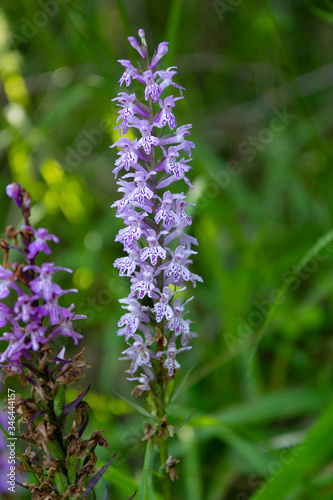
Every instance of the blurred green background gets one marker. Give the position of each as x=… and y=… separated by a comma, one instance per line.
x=259, y=89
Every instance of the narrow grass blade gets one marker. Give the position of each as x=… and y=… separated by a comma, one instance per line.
x=313, y=251
x=316, y=448
x=139, y=408
x=172, y=29
x=145, y=473
x=124, y=17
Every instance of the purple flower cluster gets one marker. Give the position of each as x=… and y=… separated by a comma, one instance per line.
x=158, y=250
x=36, y=316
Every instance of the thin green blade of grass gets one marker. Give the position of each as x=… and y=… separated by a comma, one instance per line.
x=217, y=362
x=120, y=480
x=139, y=408
x=279, y=405
x=124, y=17
x=172, y=29
x=192, y=476
x=145, y=473
x=243, y=447
x=316, y=448
x=312, y=252
x=272, y=407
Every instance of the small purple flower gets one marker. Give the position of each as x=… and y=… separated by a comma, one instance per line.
x=166, y=211
x=129, y=72
x=39, y=245
x=166, y=77
x=128, y=156
x=65, y=326
x=43, y=286
x=154, y=250
x=170, y=363
x=162, y=308
x=176, y=270
x=128, y=109
x=152, y=88
x=25, y=308
x=7, y=283
x=143, y=283
x=128, y=264
x=56, y=312
x=5, y=315
x=134, y=229
x=166, y=115
x=178, y=138
x=144, y=379
x=138, y=353
x=147, y=139
x=177, y=323
x=16, y=348
x=131, y=321
x=171, y=165
x=37, y=334
x=141, y=188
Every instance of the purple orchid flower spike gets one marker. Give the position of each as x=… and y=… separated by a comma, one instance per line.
x=36, y=316
x=157, y=247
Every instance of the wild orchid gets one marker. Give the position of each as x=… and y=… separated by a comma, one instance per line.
x=154, y=168
x=62, y=463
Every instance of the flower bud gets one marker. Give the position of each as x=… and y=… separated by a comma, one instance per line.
x=135, y=44
x=162, y=49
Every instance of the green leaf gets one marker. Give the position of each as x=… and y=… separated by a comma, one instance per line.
x=316, y=448
x=243, y=447
x=58, y=400
x=322, y=14
x=139, y=408
x=172, y=29
x=272, y=407
x=145, y=473
x=181, y=385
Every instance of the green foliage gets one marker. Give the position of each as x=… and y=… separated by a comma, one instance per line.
x=259, y=90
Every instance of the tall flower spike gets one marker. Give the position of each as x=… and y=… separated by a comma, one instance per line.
x=36, y=317
x=154, y=217
x=157, y=247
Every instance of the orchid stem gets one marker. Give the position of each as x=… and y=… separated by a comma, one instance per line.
x=162, y=445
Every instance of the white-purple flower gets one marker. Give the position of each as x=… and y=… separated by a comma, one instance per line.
x=170, y=363
x=166, y=115
x=130, y=322
x=138, y=353
x=154, y=250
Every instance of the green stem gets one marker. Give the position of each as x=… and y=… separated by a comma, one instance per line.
x=146, y=466
x=162, y=445
x=165, y=478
